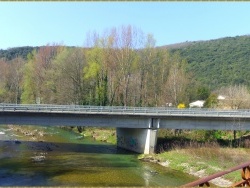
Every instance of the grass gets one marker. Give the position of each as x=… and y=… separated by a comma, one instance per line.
x=101, y=134
x=203, y=161
x=210, y=156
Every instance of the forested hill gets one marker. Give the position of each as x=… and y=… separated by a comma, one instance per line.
x=218, y=62
x=12, y=53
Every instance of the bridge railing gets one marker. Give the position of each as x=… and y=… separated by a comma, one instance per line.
x=124, y=110
x=245, y=175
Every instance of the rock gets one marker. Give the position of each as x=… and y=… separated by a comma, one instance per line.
x=38, y=158
x=165, y=164
x=17, y=142
x=48, y=148
x=154, y=172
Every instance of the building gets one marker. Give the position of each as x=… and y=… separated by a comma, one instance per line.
x=197, y=104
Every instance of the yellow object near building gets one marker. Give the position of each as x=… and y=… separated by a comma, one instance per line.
x=181, y=105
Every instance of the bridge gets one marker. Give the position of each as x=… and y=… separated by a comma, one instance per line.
x=136, y=126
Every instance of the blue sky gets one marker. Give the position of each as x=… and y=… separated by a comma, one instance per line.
x=67, y=23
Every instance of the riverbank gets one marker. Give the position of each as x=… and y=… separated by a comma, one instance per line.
x=199, y=160
x=100, y=134
x=204, y=161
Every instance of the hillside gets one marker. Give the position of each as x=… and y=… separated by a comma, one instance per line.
x=12, y=53
x=179, y=45
x=218, y=62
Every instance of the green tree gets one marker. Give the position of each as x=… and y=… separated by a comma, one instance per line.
x=36, y=77
x=29, y=94
x=96, y=74
x=66, y=74
x=211, y=101
x=203, y=92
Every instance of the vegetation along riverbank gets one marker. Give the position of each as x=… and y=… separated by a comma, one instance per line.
x=101, y=134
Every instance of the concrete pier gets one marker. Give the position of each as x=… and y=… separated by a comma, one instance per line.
x=137, y=140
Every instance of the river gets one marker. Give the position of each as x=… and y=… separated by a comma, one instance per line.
x=52, y=156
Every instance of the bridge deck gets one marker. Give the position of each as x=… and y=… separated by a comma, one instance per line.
x=126, y=117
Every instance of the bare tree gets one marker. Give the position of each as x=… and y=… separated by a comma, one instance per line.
x=14, y=79
x=3, y=78
x=178, y=80
x=36, y=83
x=123, y=58
x=147, y=66
x=11, y=75
x=236, y=96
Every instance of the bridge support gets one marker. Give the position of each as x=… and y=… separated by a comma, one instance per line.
x=138, y=140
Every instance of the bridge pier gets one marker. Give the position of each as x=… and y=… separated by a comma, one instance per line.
x=137, y=140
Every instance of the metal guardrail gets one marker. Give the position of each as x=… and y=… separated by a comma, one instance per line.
x=245, y=175
x=160, y=111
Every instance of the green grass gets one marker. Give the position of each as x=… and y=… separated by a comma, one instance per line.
x=101, y=134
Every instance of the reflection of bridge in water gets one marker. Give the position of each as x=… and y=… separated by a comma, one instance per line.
x=136, y=126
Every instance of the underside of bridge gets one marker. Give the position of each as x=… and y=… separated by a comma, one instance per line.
x=137, y=140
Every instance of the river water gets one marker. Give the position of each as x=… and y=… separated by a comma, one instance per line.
x=52, y=156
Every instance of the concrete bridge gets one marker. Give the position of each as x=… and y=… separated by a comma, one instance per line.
x=136, y=126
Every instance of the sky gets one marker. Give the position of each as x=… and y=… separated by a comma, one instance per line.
x=68, y=23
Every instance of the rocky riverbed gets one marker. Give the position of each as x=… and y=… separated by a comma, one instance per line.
x=14, y=140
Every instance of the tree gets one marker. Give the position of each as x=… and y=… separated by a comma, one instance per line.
x=164, y=60
x=151, y=73
x=114, y=60
x=124, y=68
x=203, y=93
x=35, y=85
x=211, y=101
x=178, y=80
x=96, y=74
x=67, y=76
x=29, y=94
x=3, y=77
x=14, y=80
x=125, y=41
x=11, y=76
x=236, y=96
